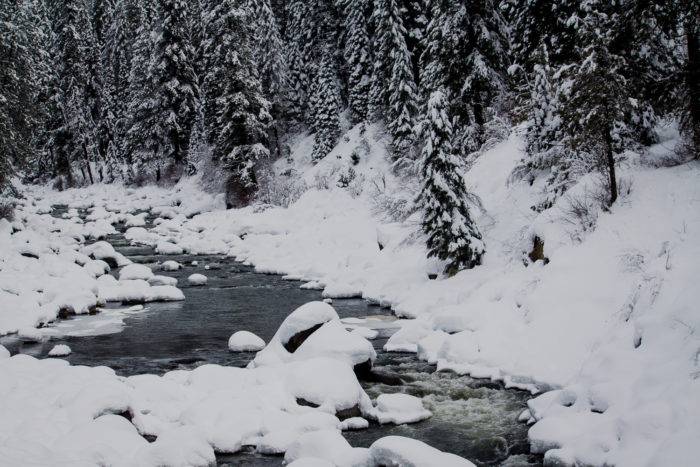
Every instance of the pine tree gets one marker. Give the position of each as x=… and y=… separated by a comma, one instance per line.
x=236, y=112
x=139, y=148
x=452, y=235
x=166, y=105
x=357, y=56
x=272, y=67
x=466, y=53
x=543, y=150
x=393, y=90
x=120, y=49
x=298, y=79
x=326, y=105
x=74, y=139
x=15, y=91
x=597, y=106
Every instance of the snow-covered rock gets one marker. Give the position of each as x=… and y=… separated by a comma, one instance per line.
x=245, y=341
x=167, y=248
x=399, y=409
x=407, y=452
x=170, y=265
x=135, y=271
x=60, y=350
x=197, y=279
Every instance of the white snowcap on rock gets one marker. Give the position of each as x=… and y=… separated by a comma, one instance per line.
x=399, y=409
x=170, y=265
x=60, y=350
x=197, y=279
x=245, y=341
x=135, y=271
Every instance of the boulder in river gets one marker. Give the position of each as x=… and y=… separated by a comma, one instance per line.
x=245, y=341
x=197, y=279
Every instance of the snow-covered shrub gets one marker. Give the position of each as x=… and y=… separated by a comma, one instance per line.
x=580, y=212
x=7, y=211
x=395, y=205
x=281, y=190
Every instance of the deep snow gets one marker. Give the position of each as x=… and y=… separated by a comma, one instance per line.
x=606, y=331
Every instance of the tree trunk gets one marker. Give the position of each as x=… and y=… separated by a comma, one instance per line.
x=693, y=76
x=610, y=160
x=87, y=163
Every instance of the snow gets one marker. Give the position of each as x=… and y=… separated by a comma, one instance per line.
x=167, y=248
x=197, y=279
x=608, y=324
x=397, y=450
x=245, y=341
x=326, y=444
x=60, y=350
x=329, y=339
x=399, y=409
x=135, y=271
x=170, y=265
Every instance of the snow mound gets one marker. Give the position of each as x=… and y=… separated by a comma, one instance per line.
x=399, y=409
x=167, y=248
x=326, y=444
x=135, y=271
x=60, y=350
x=170, y=265
x=407, y=452
x=245, y=341
x=197, y=279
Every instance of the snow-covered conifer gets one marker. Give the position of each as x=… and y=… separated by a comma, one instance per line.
x=325, y=105
x=452, y=235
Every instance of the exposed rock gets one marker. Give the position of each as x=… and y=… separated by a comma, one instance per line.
x=297, y=339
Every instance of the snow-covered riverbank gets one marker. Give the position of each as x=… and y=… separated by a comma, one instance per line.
x=608, y=323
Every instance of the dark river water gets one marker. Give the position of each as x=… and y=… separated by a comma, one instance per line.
x=474, y=418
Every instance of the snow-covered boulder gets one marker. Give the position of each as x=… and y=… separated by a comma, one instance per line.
x=399, y=409
x=164, y=293
x=168, y=248
x=245, y=341
x=60, y=350
x=308, y=316
x=326, y=444
x=134, y=272
x=407, y=452
x=333, y=340
x=197, y=279
x=4, y=353
x=106, y=252
x=170, y=265
x=162, y=280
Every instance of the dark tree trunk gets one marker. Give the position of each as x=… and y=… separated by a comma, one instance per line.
x=610, y=162
x=87, y=163
x=693, y=76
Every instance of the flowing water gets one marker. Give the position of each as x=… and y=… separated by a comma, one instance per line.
x=474, y=418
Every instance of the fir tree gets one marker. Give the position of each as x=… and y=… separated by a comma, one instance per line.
x=358, y=58
x=272, y=67
x=165, y=115
x=74, y=141
x=544, y=152
x=452, y=235
x=236, y=112
x=15, y=91
x=326, y=105
x=393, y=90
x=597, y=107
